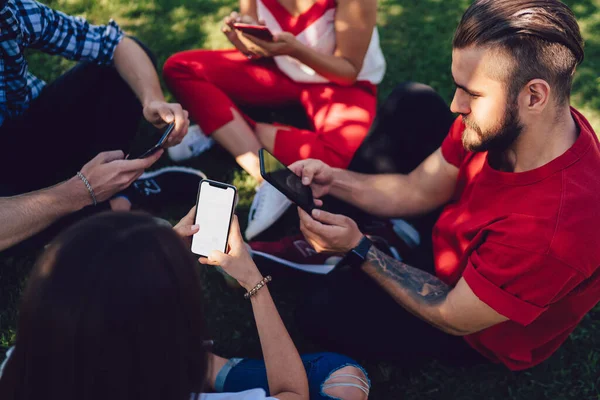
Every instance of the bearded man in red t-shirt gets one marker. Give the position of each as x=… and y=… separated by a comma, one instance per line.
x=509, y=191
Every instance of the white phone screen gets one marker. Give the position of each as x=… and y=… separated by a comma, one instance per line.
x=213, y=215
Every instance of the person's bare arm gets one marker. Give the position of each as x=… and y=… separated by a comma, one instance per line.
x=426, y=188
x=354, y=23
x=136, y=68
x=457, y=311
x=285, y=371
x=25, y=215
x=248, y=7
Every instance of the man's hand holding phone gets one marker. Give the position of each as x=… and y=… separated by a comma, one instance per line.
x=329, y=233
x=317, y=175
x=160, y=144
x=237, y=262
x=326, y=232
x=160, y=113
x=109, y=173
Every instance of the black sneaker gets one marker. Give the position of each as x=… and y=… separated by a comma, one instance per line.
x=155, y=190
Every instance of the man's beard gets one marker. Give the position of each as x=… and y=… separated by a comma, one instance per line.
x=499, y=139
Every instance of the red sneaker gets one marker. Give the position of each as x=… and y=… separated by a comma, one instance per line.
x=295, y=252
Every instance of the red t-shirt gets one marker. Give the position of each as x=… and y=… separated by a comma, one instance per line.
x=527, y=244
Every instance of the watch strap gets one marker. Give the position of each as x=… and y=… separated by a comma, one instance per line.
x=355, y=257
x=363, y=247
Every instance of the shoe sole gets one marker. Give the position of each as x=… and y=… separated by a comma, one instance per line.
x=184, y=170
x=319, y=269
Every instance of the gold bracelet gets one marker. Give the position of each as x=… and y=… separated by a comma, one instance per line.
x=258, y=286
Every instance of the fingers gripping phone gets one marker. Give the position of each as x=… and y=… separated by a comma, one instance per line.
x=163, y=138
x=214, y=210
x=284, y=180
x=259, y=31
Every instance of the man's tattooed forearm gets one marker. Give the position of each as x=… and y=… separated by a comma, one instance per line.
x=420, y=285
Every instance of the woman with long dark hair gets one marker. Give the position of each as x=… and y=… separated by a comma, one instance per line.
x=113, y=310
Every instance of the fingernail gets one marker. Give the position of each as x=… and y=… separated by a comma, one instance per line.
x=194, y=227
x=316, y=213
x=305, y=180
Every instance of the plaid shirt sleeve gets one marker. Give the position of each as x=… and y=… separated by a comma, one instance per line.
x=54, y=32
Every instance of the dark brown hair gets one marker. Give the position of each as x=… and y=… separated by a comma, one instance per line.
x=112, y=310
x=541, y=36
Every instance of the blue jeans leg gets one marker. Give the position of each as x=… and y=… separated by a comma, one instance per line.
x=243, y=374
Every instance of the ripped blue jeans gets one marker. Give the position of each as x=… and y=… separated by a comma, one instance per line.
x=241, y=374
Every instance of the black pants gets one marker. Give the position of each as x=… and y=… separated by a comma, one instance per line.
x=348, y=312
x=87, y=110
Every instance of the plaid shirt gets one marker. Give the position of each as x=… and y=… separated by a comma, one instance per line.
x=29, y=24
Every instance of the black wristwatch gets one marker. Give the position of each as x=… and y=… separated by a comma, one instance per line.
x=355, y=257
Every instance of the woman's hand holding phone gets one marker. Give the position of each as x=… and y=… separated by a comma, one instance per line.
x=243, y=44
x=237, y=262
x=186, y=227
x=283, y=44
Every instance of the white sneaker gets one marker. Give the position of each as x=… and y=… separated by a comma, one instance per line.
x=268, y=206
x=193, y=143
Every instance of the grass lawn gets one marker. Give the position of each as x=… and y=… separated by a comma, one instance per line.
x=416, y=39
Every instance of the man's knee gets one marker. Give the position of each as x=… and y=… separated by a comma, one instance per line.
x=406, y=93
x=347, y=383
x=412, y=88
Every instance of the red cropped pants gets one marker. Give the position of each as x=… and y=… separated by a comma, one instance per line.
x=209, y=83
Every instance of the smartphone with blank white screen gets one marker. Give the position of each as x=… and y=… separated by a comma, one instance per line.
x=214, y=212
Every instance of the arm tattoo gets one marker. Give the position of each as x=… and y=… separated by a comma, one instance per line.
x=421, y=286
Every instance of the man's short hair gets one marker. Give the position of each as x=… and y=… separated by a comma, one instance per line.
x=541, y=36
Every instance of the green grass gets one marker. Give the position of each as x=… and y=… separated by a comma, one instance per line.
x=416, y=38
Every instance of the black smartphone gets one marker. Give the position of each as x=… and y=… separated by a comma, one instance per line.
x=214, y=211
x=284, y=180
x=163, y=138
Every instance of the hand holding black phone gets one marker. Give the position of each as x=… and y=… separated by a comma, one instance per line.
x=258, y=31
x=163, y=139
x=286, y=181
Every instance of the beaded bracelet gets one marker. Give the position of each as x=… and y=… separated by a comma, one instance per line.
x=258, y=286
x=88, y=186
